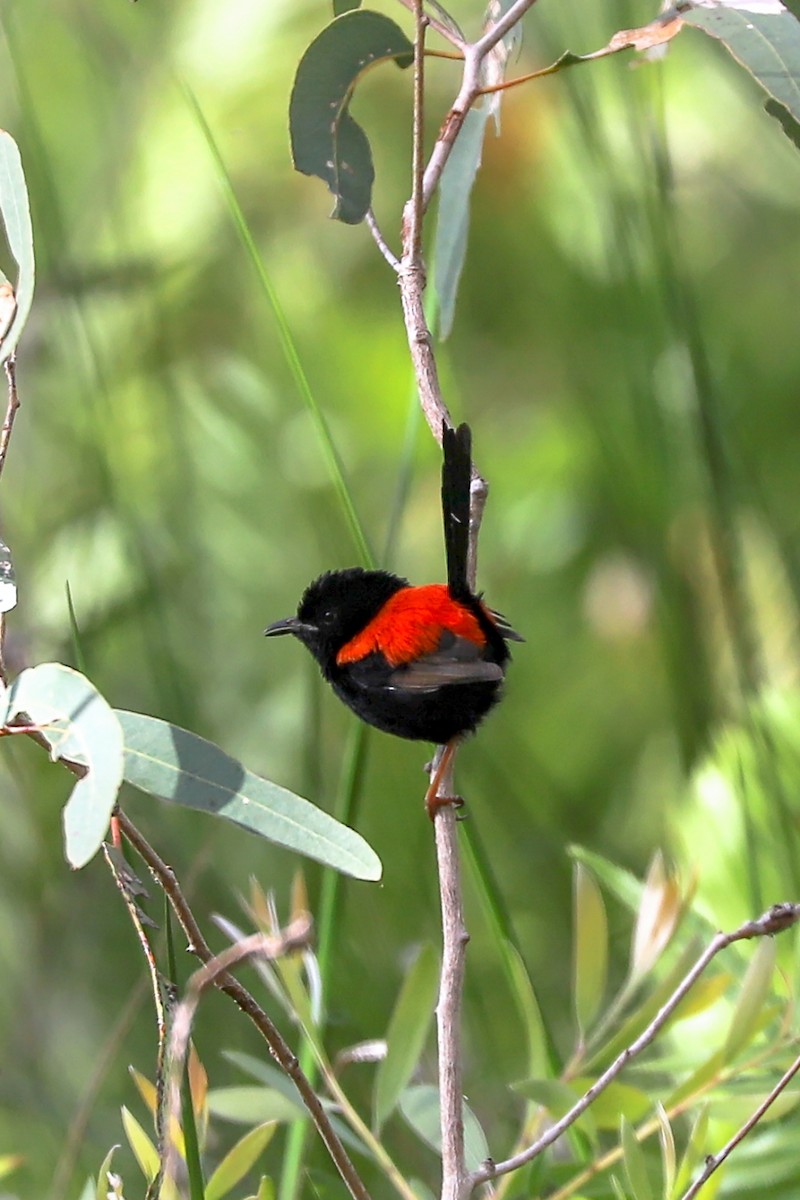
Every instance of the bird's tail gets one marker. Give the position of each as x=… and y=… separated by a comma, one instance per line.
x=456, y=480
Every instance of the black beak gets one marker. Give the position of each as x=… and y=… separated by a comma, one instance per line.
x=288, y=625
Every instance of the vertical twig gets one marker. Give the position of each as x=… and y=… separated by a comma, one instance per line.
x=10, y=367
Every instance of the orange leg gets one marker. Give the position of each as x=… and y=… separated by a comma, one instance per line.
x=433, y=800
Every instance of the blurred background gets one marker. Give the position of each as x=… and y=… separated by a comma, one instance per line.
x=626, y=350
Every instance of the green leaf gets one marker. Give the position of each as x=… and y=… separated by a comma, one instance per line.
x=80, y=727
x=591, y=947
x=326, y=141
x=343, y=6
x=252, y=1105
x=143, y=1149
x=787, y=122
x=238, y=1161
x=408, y=1030
x=166, y=761
x=536, y=1037
x=694, y=1152
x=767, y=44
x=756, y=988
x=101, y=1188
x=635, y=1165
x=621, y=883
x=16, y=214
x=666, y=1141
x=420, y=1107
x=452, y=220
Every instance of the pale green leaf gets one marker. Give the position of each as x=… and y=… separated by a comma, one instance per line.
x=692, y=1155
x=80, y=727
x=666, y=1141
x=143, y=1149
x=590, y=947
x=252, y=1105
x=239, y=1160
x=16, y=215
x=175, y=765
x=536, y=1039
x=635, y=1165
x=756, y=988
x=420, y=1107
x=621, y=883
x=452, y=220
x=407, y=1032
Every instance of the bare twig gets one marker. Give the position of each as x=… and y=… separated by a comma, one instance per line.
x=776, y=919
x=714, y=1161
x=209, y=975
x=448, y=1009
x=443, y=30
x=413, y=248
x=380, y=241
x=10, y=367
x=226, y=982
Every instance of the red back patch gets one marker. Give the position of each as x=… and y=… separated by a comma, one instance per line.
x=410, y=625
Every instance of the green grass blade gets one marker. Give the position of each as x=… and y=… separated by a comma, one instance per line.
x=332, y=459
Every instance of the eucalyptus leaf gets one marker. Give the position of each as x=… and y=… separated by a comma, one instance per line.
x=80, y=727
x=326, y=141
x=16, y=215
x=767, y=44
x=175, y=765
x=452, y=221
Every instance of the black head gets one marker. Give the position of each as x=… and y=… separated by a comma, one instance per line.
x=337, y=606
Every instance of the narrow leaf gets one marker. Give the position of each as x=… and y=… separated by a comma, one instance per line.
x=80, y=727
x=635, y=1165
x=326, y=141
x=668, y=1161
x=420, y=1107
x=251, y=1105
x=590, y=947
x=657, y=919
x=752, y=998
x=239, y=1160
x=16, y=215
x=452, y=221
x=8, y=580
x=143, y=1149
x=694, y=1152
x=408, y=1029
x=538, y=1059
x=180, y=767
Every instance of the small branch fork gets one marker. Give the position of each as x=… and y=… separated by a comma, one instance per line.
x=220, y=976
x=775, y=920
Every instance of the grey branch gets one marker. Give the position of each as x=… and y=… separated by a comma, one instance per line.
x=776, y=919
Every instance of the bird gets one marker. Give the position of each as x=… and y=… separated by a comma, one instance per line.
x=425, y=663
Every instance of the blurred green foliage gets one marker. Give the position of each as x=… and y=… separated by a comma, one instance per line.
x=164, y=466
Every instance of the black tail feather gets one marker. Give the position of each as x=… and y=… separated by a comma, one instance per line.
x=456, y=480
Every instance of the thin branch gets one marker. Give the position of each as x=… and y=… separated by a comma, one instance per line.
x=279, y=1049
x=448, y=1009
x=10, y=367
x=715, y=1161
x=778, y=918
x=380, y=241
x=500, y=28
x=413, y=249
x=211, y=974
x=443, y=30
